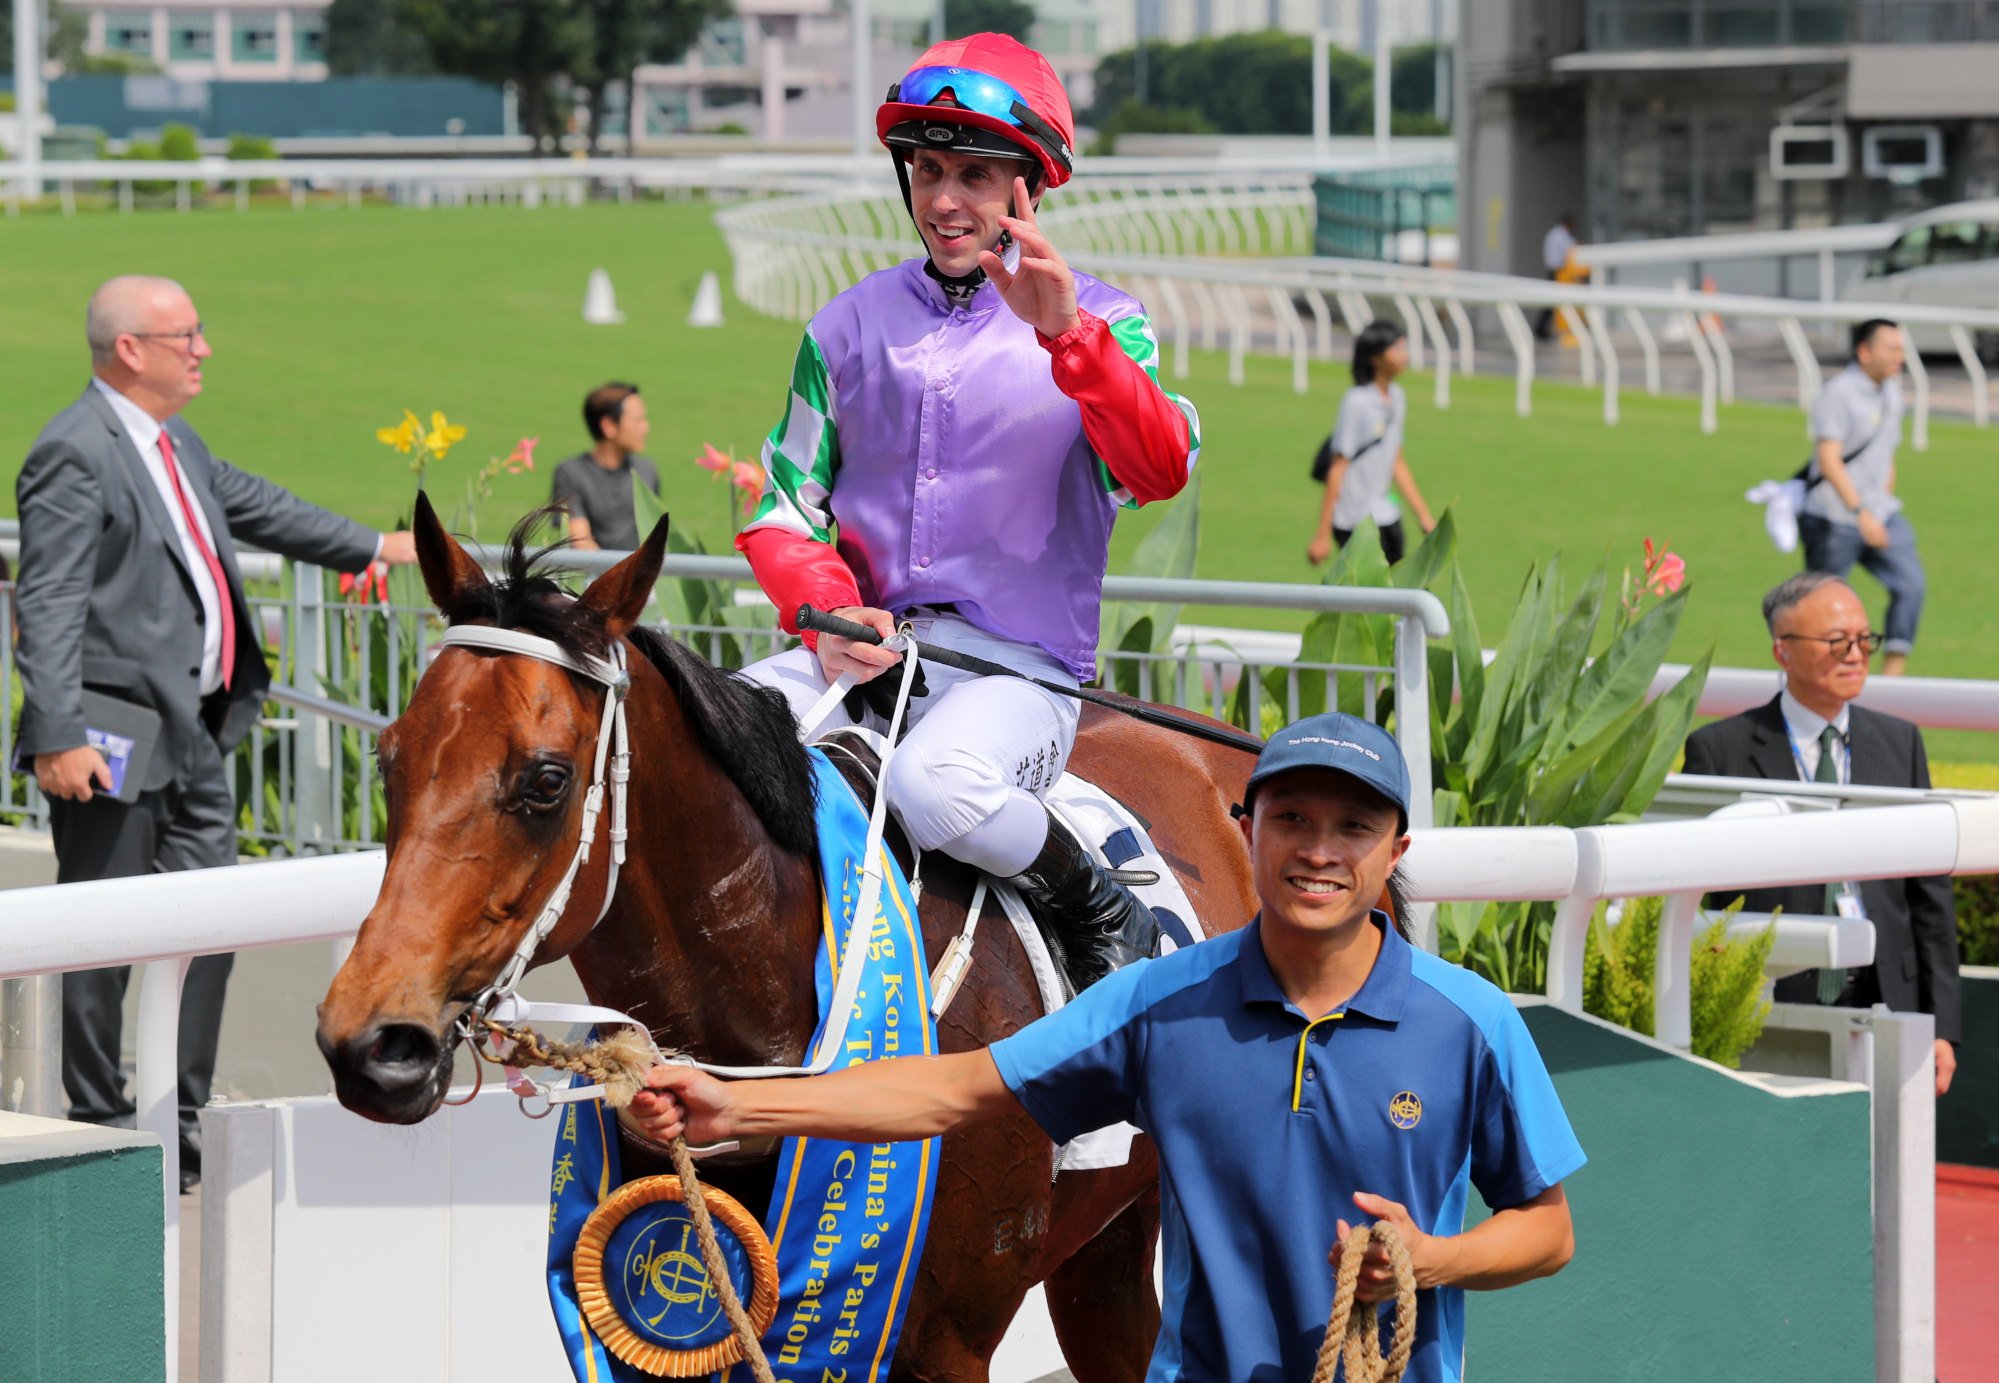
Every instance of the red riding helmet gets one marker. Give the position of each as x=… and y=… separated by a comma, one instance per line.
x=1008, y=102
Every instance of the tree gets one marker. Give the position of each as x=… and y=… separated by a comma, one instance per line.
x=554, y=51
x=1011, y=17
x=625, y=33
x=371, y=38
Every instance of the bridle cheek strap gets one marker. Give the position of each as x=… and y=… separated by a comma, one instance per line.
x=611, y=673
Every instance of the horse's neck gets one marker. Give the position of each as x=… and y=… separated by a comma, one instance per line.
x=710, y=940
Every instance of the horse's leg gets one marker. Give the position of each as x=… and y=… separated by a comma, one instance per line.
x=1102, y=1301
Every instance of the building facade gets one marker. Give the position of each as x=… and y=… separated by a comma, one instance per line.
x=1658, y=118
x=246, y=40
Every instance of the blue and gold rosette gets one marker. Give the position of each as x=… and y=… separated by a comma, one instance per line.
x=644, y=1287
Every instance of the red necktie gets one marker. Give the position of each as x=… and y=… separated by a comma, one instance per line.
x=215, y=573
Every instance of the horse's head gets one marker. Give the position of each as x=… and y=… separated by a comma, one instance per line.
x=485, y=774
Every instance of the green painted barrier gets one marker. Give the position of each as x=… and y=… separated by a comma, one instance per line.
x=1968, y=1117
x=82, y=1246
x=1723, y=1228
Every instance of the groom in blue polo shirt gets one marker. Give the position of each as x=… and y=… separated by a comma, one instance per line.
x=1309, y=1067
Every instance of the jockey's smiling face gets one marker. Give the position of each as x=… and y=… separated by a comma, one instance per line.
x=957, y=201
x=1321, y=847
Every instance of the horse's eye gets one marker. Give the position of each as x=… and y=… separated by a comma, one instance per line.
x=544, y=785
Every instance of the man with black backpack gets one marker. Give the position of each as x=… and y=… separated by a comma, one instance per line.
x=1850, y=512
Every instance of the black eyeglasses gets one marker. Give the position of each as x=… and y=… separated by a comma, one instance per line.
x=187, y=338
x=1838, y=644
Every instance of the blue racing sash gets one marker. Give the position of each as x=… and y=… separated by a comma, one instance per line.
x=847, y=1220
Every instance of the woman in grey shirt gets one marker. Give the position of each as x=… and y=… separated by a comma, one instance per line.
x=1367, y=449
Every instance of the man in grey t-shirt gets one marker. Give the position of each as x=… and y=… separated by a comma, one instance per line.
x=1851, y=513
x=595, y=487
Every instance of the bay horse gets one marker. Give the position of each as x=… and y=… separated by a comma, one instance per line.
x=715, y=921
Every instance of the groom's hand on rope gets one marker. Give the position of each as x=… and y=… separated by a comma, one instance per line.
x=865, y=660
x=1377, y=1279
x=681, y=1101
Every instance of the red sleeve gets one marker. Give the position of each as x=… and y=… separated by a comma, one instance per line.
x=795, y=571
x=1139, y=432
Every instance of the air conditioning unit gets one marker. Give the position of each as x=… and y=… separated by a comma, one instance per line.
x=1902, y=153
x=1808, y=151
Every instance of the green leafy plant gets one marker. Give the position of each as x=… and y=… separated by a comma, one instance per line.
x=1728, y=1003
x=1558, y=729
x=1145, y=628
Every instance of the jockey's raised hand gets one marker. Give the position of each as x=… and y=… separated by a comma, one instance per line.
x=865, y=661
x=1040, y=289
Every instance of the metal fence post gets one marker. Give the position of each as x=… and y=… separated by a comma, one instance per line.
x=1905, y=1205
x=31, y=1046
x=1412, y=732
x=314, y=809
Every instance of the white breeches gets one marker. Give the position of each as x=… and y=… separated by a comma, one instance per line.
x=977, y=752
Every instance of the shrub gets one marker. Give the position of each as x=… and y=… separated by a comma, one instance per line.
x=1727, y=979
x=1133, y=118
x=253, y=148
x=1978, y=918
x=179, y=144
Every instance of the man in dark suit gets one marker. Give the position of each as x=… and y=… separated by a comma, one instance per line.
x=129, y=586
x=1812, y=732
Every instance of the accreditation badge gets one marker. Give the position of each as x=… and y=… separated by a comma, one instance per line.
x=645, y=1289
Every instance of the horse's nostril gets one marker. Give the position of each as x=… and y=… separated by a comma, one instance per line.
x=402, y=1044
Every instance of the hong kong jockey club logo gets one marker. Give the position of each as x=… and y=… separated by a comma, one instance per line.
x=1405, y=1110
x=644, y=1287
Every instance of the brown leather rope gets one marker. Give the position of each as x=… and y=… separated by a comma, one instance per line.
x=1354, y=1332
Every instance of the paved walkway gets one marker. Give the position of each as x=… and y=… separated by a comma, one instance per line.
x=1967, y=1269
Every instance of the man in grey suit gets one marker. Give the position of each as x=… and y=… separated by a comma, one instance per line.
x=129, y=587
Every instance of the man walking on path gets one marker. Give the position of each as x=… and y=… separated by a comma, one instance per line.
x=1851, y=513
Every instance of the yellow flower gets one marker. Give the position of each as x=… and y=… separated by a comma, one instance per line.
x=403, y=435
x=443, y=436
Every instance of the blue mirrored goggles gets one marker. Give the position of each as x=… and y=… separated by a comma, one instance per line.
x=972, y=90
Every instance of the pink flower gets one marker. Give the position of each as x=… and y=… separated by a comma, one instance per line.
x=713, y=460
x=747, y=476
x=522, y=457
x=1667, y=575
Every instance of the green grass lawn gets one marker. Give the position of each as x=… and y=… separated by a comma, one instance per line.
x=327, y=323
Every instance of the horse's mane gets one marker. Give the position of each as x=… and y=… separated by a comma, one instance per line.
x=749, y=730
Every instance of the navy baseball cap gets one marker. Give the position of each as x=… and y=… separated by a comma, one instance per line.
x=1346, y=744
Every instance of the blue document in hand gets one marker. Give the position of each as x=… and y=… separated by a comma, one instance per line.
x=124, y=732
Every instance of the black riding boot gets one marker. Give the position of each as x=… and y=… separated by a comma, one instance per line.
x=1083, y=907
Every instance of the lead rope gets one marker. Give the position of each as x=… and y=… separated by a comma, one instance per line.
x=718, y=1269
x=1354, y=1331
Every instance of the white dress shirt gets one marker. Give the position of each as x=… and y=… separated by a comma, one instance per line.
x=1555, y=247
x=1805, y=727
x=144, y=430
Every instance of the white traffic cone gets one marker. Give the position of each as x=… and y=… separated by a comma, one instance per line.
x=707, y=310
x=600, y=304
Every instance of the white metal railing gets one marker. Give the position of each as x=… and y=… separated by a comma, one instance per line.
x=1189, y=246
x=163, y=920
x=1822, y=246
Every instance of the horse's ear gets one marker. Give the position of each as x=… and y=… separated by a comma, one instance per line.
x=620, y=594
x=449, y=573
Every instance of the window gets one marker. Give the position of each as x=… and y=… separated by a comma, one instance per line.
x=128, y=31
x=309, y=36
x=1960, y=242
x=1910, y=252
x=256, y=37
x=191, y=36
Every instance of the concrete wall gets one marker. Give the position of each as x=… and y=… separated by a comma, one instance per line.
x=1968, y=1117
x=1722, y=1225
x=82, y=1242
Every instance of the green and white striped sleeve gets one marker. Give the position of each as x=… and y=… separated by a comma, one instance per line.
x=802, y=453
x=1154, y=466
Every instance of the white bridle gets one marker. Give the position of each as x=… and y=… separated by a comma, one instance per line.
x=617, y=683
x=500, y=1001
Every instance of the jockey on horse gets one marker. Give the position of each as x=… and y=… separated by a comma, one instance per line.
x=971, y=422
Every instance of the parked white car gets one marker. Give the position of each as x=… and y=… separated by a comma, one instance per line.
x=1945, y=257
